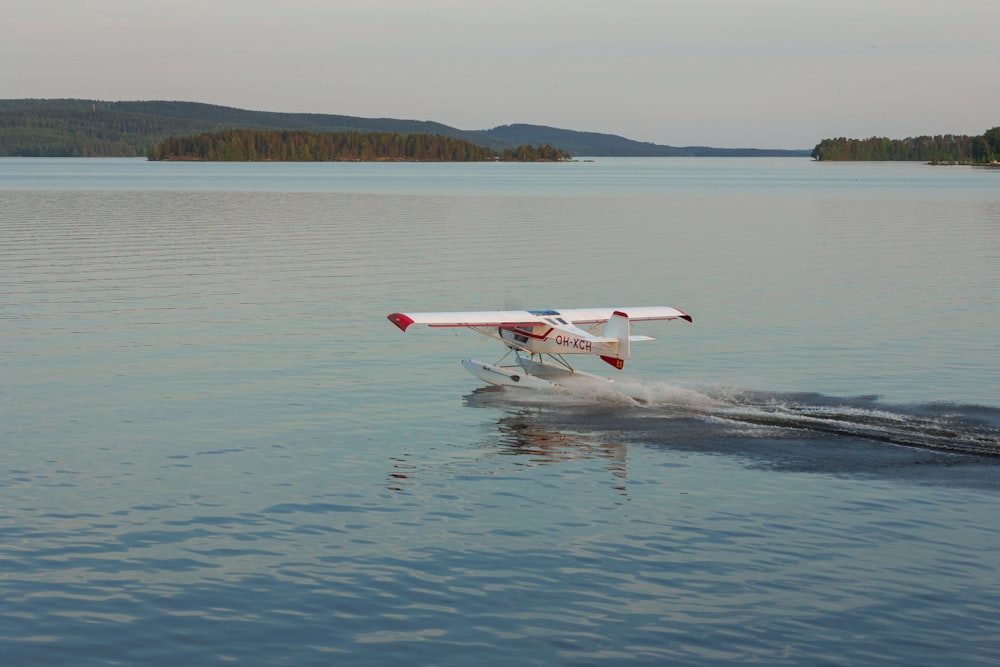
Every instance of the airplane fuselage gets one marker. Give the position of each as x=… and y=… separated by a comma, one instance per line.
x=557, y=339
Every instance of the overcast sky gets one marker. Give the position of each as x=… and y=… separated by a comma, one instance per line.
x=727, y=73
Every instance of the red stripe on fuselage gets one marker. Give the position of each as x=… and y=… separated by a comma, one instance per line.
x=528, y=334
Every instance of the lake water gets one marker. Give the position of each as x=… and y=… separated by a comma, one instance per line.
x=217, y=450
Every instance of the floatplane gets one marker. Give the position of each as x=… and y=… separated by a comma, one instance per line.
x=539, y=340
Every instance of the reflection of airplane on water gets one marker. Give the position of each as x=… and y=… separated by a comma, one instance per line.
x=521, y=436
x=525, y=443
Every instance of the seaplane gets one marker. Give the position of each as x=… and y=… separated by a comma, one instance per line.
x=538, y=341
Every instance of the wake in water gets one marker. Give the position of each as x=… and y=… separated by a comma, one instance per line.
x=641, y=408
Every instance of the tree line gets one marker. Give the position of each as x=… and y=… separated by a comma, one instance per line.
x=79, y=128
x=245, y=145
x=943, y=149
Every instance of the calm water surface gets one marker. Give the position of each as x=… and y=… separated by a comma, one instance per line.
x=217, y=450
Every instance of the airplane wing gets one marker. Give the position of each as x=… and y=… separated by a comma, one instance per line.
x=527, y=318
x=471, y=318
x=635, y=314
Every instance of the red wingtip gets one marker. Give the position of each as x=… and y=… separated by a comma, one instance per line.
x=400, y=320
x=687, y=317
x=620, y=314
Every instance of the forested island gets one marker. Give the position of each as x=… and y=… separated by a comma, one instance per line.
x=941, y=149
x=246, y=145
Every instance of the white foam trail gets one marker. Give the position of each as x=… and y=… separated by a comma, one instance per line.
x=664, y=394
x=770, y=414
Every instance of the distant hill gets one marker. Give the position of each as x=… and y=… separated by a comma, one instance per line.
x=610, y=145
x=94, y=128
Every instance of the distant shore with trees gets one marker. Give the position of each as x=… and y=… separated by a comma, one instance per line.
x=304, y=146
x=940, y=149
x=96, y=128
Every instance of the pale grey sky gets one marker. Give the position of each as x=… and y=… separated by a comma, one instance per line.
x=728, y=73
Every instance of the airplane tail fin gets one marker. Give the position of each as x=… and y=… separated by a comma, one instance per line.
x=618, y=327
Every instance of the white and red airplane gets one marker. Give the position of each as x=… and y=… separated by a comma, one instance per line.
x=534, y=335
